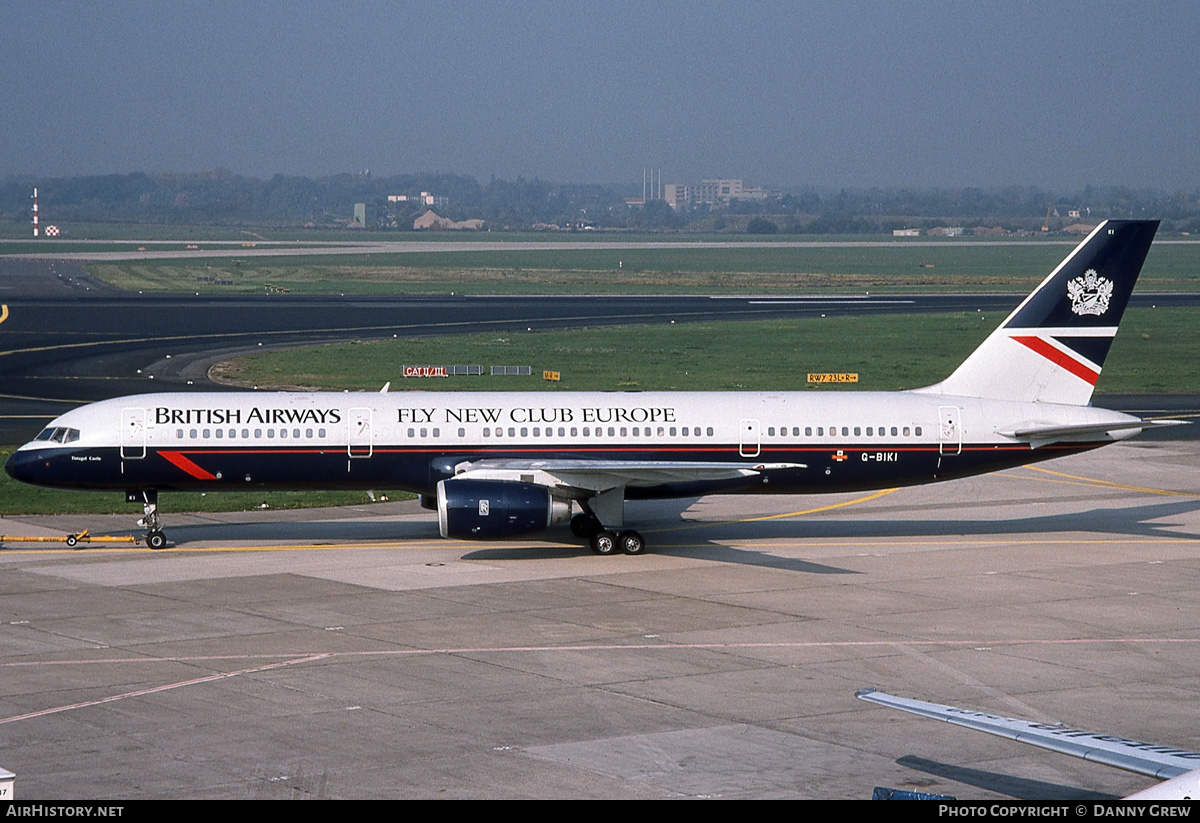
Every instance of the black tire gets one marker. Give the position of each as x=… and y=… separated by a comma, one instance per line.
x=631, y=542
x=156, y=540
x=72, y=541
x=604, y=542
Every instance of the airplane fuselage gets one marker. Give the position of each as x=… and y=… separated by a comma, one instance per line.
x=826, y=442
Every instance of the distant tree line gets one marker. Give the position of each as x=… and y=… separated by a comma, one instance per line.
x=222, y=198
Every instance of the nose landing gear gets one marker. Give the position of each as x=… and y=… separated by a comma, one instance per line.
x=155, y=538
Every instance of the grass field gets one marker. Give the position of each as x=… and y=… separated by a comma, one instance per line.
x=1007, y=269
x=1155, y=352
x=890, y=268
x=1009, y=264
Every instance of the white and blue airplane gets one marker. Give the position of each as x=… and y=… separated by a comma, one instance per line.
x=497, y=465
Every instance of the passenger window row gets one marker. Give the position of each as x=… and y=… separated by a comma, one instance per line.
x=66, y=435
x=244, y=434
x=600, y=431
x=871, y=431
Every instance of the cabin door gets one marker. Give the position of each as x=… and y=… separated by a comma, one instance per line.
x=949, y=430
x=133, y=434
x=750, y=441
x=360, y=441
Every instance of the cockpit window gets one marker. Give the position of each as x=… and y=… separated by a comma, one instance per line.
x=58, y=434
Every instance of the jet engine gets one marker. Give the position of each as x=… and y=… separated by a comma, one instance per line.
x=489, y=509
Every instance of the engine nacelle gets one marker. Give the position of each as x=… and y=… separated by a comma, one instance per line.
x=492, y=509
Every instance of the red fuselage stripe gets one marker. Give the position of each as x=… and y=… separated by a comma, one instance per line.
x=179, y=461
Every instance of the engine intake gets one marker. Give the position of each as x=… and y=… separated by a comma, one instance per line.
x=492, y=509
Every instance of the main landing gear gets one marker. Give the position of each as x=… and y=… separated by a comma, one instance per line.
x=155, y=538
x=605, y=541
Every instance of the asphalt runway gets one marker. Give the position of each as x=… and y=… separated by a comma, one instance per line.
x=351, y=653
x=68, y=339
x=103, y=250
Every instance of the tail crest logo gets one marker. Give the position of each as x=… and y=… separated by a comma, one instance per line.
x=1090, y=293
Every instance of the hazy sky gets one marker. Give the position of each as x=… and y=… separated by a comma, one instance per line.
x=1058, y=95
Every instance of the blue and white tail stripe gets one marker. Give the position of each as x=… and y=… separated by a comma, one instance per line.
x=1080, y=351
x=1052, y=347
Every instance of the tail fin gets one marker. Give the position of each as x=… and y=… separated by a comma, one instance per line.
x=1053, y=345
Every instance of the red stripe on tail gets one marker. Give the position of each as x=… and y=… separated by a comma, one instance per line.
x=1060, y=358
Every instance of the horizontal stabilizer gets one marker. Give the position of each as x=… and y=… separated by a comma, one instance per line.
x=1037, y=436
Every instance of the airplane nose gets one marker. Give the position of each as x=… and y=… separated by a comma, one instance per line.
x=20, y=466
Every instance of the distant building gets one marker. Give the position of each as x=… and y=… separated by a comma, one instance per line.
x=425, y=198
x=360, y=216
x=723, y=192
x=946, y=231
x=906, y=233
x=717, y=192
x=678, y=195
x=432, y=220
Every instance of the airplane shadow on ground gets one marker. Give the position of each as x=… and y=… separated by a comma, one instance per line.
x=669, y=534
x=699, y=539
x=1136, y=521
x=1017, y=787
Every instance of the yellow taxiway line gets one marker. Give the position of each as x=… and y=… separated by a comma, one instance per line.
x=1078, y=480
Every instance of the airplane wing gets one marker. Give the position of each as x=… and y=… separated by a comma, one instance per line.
x=583, y=478
x=1162, y=762
x=1037, y=436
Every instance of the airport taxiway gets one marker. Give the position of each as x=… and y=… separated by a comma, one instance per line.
x=353, y=653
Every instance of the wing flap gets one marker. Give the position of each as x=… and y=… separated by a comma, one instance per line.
x=1162, y=762
x=582, y=478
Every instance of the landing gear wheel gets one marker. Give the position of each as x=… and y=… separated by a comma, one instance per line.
x=604, y=542
x=156, y=540
x=631, y=542
x=584, y=525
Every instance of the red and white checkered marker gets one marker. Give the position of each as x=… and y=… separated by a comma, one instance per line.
x=52, y=231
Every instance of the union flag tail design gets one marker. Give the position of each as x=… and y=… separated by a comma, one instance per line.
x=1053, y=345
